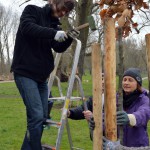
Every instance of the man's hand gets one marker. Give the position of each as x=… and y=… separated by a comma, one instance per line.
x=68, y=113
x=122, y=118
x=73, y=33
x=109, y=145
x=88, y=115
x=60, y=36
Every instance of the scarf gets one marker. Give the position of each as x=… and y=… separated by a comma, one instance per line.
x=129, y=99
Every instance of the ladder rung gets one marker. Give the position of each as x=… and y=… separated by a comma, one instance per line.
x=53, y=123
x=48, y=147
x=63, y=98
x=77, y=148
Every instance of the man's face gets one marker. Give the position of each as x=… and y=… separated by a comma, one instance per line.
x=60, y=13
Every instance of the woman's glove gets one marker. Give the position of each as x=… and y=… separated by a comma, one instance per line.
x=73, y=33
x=60, y=36
x=109, y=145
x=122, y=118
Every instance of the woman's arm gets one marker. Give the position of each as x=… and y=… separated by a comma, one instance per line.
x=110, y=145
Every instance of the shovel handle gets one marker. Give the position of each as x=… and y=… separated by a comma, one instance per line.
x=82, y=26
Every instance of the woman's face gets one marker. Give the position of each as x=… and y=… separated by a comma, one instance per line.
x=129, y=84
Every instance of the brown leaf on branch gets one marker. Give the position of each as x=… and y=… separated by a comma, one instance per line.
x=122, y=11
x=103, y=13
x=118, y=8
x=138, y=4
x=126, y=31
x=107, y=2
x=145, y=5
x=134, y=25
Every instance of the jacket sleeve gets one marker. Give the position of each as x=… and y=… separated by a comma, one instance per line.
x=28, y=24
x=76, y=113
x=120, y=147
x=60, y=47
x=142, y=114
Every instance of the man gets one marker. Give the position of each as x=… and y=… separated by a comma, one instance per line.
x=79, y=112
x=33, y=61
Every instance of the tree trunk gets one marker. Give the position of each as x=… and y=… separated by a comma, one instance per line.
x=82, y=13
x=110, y=79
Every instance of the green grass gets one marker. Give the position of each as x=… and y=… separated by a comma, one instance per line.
x=13, y=119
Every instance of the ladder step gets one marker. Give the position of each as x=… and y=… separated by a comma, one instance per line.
x=48, y=147
x=63, y=98
x=53, y=123
x=77, y=148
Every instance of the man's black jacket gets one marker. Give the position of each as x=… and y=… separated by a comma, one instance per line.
x=33, y=56
x=77, y=113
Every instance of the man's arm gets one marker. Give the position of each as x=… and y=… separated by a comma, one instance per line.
x=29, y=24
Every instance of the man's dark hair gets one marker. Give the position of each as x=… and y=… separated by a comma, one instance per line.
x=60, y=4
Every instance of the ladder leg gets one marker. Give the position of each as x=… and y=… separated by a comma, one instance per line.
x=52, y=75
x=69, y=92
x=69, y=134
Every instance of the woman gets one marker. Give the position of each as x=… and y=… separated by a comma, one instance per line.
x=33, y=61
x=136, y=110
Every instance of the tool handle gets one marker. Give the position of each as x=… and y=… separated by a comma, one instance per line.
x=82, y=26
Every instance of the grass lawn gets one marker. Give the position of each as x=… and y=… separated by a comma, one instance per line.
x=13, y=119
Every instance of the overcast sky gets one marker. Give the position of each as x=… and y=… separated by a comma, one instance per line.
x=14, y=5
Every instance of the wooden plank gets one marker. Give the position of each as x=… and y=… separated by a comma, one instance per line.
x=97, y=96
x=110, y=79
x=147, y=38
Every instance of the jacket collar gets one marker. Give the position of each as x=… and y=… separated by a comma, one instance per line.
x=48, y=10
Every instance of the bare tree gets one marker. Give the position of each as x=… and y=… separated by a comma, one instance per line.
x=8, y=27
x=84, y=10
x=2, y=12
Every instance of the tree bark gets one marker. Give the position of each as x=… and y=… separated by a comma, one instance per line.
x=84, y=10
x=97, y=95
x=110, y=79
x=147, y=37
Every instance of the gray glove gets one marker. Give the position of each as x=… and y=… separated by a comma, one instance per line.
x=73, y=33
x=60, y=36
x=109, y=145
x=122, y=118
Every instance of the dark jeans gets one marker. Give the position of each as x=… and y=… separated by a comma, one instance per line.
x=35, y=98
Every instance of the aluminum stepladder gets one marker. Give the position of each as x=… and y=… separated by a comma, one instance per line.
x=67, y=99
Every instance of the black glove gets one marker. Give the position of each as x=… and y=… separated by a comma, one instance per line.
x=122, y=118
x=109, y=145
x=73, y=33
x=91, y=124
x=91, y=127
